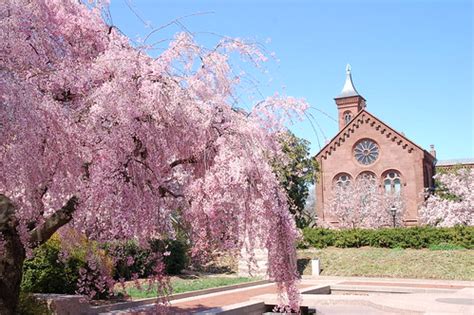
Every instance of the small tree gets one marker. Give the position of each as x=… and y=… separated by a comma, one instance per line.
x=309, y=211
x=296, y=173
x=363, y=204
x=453, y=201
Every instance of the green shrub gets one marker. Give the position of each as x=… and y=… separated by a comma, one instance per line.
x=45, y=273
x=48, y=272
x=412, y=237
x=463, y=236
x=317, y=237
x=352, y=238
x=143, y=264
x=177, y=260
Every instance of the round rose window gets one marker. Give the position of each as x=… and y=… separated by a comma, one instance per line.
x=366, y=152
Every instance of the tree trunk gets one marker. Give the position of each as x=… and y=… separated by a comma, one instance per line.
x=12, y=252
x=11, y=258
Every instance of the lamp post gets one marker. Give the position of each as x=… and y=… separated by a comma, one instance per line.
x=393, y=211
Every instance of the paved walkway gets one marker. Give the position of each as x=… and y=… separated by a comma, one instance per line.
x=211, y=301
x=356, y=296
x=409, y=285
x=390, y=296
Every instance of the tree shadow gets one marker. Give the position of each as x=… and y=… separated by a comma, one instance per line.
x=302, y=264
x=171, y=310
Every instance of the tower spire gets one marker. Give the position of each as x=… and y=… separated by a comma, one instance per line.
x=349, y=101
x=348, y=89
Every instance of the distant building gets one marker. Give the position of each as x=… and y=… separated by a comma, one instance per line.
x=366, y=146
x=447, y=165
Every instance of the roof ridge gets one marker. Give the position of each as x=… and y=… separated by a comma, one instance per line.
x=351, y=123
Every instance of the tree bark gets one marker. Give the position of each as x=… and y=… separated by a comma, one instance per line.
x=13, y=255
x=42, y=233
x=11, y=260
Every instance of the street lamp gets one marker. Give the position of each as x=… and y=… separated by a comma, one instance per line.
x=393, y=211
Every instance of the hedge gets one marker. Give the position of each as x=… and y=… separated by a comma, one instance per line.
x=412, y=237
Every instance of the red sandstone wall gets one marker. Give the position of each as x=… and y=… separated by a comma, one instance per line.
x=393, y=154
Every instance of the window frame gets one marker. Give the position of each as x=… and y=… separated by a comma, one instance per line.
x=397, y=177
x=373, y=148
x=347, y=117
x=336, y=181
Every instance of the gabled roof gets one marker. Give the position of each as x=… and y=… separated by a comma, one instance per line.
x=364, y=117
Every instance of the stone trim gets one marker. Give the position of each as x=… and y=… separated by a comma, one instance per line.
x=364, y=117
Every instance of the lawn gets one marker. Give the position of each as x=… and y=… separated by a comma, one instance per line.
x=395, y=263
x=181, y=285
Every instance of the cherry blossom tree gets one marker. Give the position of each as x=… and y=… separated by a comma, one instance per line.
x=453, y=203
x=100, y=137
x=362, y=204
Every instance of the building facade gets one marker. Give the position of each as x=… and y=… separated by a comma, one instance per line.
x=365, y=145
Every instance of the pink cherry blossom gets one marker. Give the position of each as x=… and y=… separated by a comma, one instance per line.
x=454, y=204
x=116, y=144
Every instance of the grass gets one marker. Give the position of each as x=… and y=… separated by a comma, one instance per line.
x=180, y=285
x=445, y=246
x=436, y=263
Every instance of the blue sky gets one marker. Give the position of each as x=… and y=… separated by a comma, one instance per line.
x=411, y=60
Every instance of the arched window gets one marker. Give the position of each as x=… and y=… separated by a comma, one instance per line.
x=367, y=185
x=347, y=117
x=392, y=182
x=342, y=179
x=367, y=176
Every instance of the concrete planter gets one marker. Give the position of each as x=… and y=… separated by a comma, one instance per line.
x=315, y=267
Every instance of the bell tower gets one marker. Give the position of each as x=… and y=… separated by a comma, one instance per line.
x=349, y=102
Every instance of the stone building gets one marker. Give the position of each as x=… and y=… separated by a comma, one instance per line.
x=451, y=165
x=365, y=145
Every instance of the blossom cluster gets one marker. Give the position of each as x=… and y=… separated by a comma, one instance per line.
x=453, y=204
